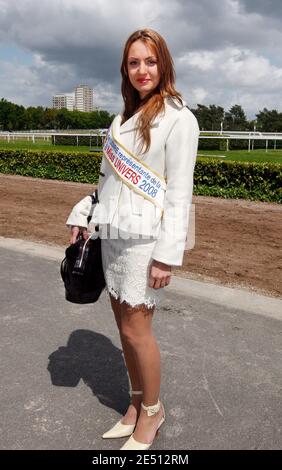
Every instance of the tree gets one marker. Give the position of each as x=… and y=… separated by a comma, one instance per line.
x=34, y=118
x=269, y=121
x=209, y=118
x=11, y=116
x=14, y=117
x=235, y=119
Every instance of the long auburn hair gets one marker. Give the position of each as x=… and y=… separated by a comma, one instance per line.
x=153, y=103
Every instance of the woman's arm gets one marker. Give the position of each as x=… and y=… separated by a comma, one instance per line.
x=76, y=231
x=80, y=212
x=160, y=274
x=77, y=220
x=181, y=153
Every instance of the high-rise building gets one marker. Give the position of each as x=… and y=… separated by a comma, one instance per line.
x=83, y=98
x=63, y=100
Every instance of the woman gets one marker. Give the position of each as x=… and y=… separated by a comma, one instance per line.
x=145, y=187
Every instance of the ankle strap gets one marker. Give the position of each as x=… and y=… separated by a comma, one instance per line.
x=153, y=409
x=135, y=392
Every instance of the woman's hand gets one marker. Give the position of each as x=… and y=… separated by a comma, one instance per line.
x=75, y=231
x=160, y=274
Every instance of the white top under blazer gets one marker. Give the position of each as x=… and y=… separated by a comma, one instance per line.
x=172, y=154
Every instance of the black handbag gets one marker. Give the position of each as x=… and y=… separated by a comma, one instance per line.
x=82, y=269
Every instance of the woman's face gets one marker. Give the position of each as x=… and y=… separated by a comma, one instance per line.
x=142, y=67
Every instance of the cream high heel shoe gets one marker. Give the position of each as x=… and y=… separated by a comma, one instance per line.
x=131, y=443
x=120, y=429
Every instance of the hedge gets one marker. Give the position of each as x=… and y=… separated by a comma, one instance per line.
x=244, y=180
x=75, y=166
x=255, y=181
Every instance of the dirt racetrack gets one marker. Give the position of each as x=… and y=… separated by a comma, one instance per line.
x=238, y=242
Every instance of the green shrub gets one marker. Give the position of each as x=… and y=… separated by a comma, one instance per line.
x=228, y=179
x=255, y=181
x=80, y=167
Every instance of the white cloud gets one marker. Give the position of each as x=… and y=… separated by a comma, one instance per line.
x=198, y=95
x=224, y=52
x=246, y=69
x=204, y=60
x=27, y=85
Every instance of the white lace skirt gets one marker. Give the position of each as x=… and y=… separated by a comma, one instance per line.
x=126, y=264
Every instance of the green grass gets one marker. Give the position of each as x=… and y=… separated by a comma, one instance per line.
x=260, y=156
x=44, y=146
x=274, y=156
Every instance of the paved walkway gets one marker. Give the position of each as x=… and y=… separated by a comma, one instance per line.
x=63, y=379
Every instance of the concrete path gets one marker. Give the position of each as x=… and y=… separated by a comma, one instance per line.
x=63, y=379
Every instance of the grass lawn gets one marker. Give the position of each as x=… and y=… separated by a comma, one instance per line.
x=274, y=156
x=44, y=146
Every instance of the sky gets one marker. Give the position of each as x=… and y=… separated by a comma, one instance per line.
x=225, y=52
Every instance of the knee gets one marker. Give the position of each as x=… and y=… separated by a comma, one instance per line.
x=133, y=337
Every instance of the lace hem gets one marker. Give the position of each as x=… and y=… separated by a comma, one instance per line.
x=148, y=302
x=126, y=264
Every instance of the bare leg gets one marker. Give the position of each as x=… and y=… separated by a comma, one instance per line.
x=131, y=363
x=136, y=330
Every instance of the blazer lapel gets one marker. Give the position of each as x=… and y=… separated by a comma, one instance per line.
x=130, y=124
x=126, y=133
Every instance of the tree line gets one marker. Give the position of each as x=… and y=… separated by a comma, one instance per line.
x=215, y=118
x=18, y=118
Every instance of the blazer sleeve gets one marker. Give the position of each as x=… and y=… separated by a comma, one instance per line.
x=80, y=212
x=82, y=209
x=180, y=158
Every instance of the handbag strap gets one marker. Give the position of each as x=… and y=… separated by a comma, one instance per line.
x=94, y=197
x=95, y=200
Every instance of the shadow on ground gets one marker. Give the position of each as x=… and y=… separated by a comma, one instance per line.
x=92, y=357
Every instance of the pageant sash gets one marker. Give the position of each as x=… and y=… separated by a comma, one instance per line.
x=133, y=172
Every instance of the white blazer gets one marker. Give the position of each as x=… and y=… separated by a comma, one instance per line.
x=173, y=151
